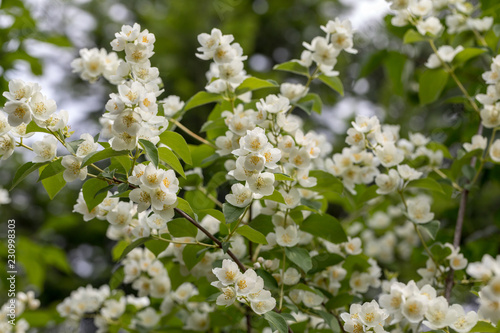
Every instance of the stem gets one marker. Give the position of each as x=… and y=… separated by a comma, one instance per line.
x=282, y=278
x=183, y=243
x=96, y=167
x=212, y=237
x=192, y=134
x=455, y=78
x=20, y=144
x=211, y=197
x=134, y=160
x=440, y=173
x=237, y=224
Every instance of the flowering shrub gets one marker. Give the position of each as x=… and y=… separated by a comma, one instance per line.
x=272, y=249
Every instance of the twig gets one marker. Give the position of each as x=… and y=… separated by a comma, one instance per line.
x=192, y=134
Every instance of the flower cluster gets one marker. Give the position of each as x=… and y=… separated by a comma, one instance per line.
x=245, y=287
x=488, y=271
x=364, y=318
x=424, y=15
x=409, y=303
x=25, y=103
x=11, y=312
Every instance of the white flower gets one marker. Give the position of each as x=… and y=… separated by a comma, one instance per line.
x=478, y=142
x=113, y=308
x=420, y=7
x=253, y=142
x=364, y=124
x=430, y=25
x=388, y=183
x=287, y=237
x=495, y=151
x=262, y=183
x=371, y=315
x=293, y=91
x=263, y=306
x=4, y=197
x=464, y=322
x=19, y=112
x=245, y=283
x=20, y=90
x=171, y=105
x=414, y=308
x=490, y=115
x=300, y=158
x=291, y=276
x=227, y=297
x=45, y=150
x=419, y=210
x=480, y=24
x=311, y=299
x=408, y=173
x=446, y=53
x=389, y=155
x=229, y=272
x=156, y=221
x=73, y=168
x=438, y=314
x=87, y=146
x=353, y=246
x=241, y=195
x=148, y=318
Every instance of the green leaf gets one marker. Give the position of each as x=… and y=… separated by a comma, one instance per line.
x=411, y=36
x=23, y=172
x=186, y=207
x=330, y=320
x=167, y=156
x=269, y=280
x=192, y=255
x=293, y=67
x=102, y=155
x=156, y=246
x=53, y=184
x=73, y=145
x=33, y=127
x=468, y=171
x=426, y=183
x=52, y=169
x=232, y=213
x=333, y=82
x=117, y=278
x=276, y=196
x=282, y=177
x=91, y=193
x=276, y=321
x=324, y=226
x=483, y=326
x=299, y=257
x=253, y=83
x=201, y=98
x=309, y=103
x=138, y=242
x=56, y=257
x=435, y=146
x=465, y=55
x=431, y=84
x=440, y=251
x=178, y=144
x=326, y=182
x=252, y=234
x=324, y=260
x=118, y=249
x=431, y=228
x=214, y=125
x=201, y=154
x=181, y=228
x=151, y=151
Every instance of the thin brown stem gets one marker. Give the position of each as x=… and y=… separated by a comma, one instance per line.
x=212, y=237
x=192, y=134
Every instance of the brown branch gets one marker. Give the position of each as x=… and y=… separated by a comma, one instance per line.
x=457, y=236
x=212, y=237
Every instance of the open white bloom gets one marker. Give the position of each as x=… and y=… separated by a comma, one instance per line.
x=20, y=90
x=148, y=318
x=241, y=195
x=7, y=145
x=478, y=142
x=371, y=315
x=87, y=146
x=263, y=306
x=353, y=246
x=414, y=308
x=291, y=276
x=419, y=210
x=364, y=124
x=287, y=237
x=45, y=150
x=388, y=183
x=464, y=322
x=311, y=299
x=439, y=314
x=227, y=297
x=245, y=283
x=229, y=272
x=495, y=151
x=171, y=105
x=430, y=25
x=408, y=173
x=19, y=113
x=445, y=53
x=73, y=168
x=389, y=155
x=253, y=142
x=490, y=115
x=262, y=183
